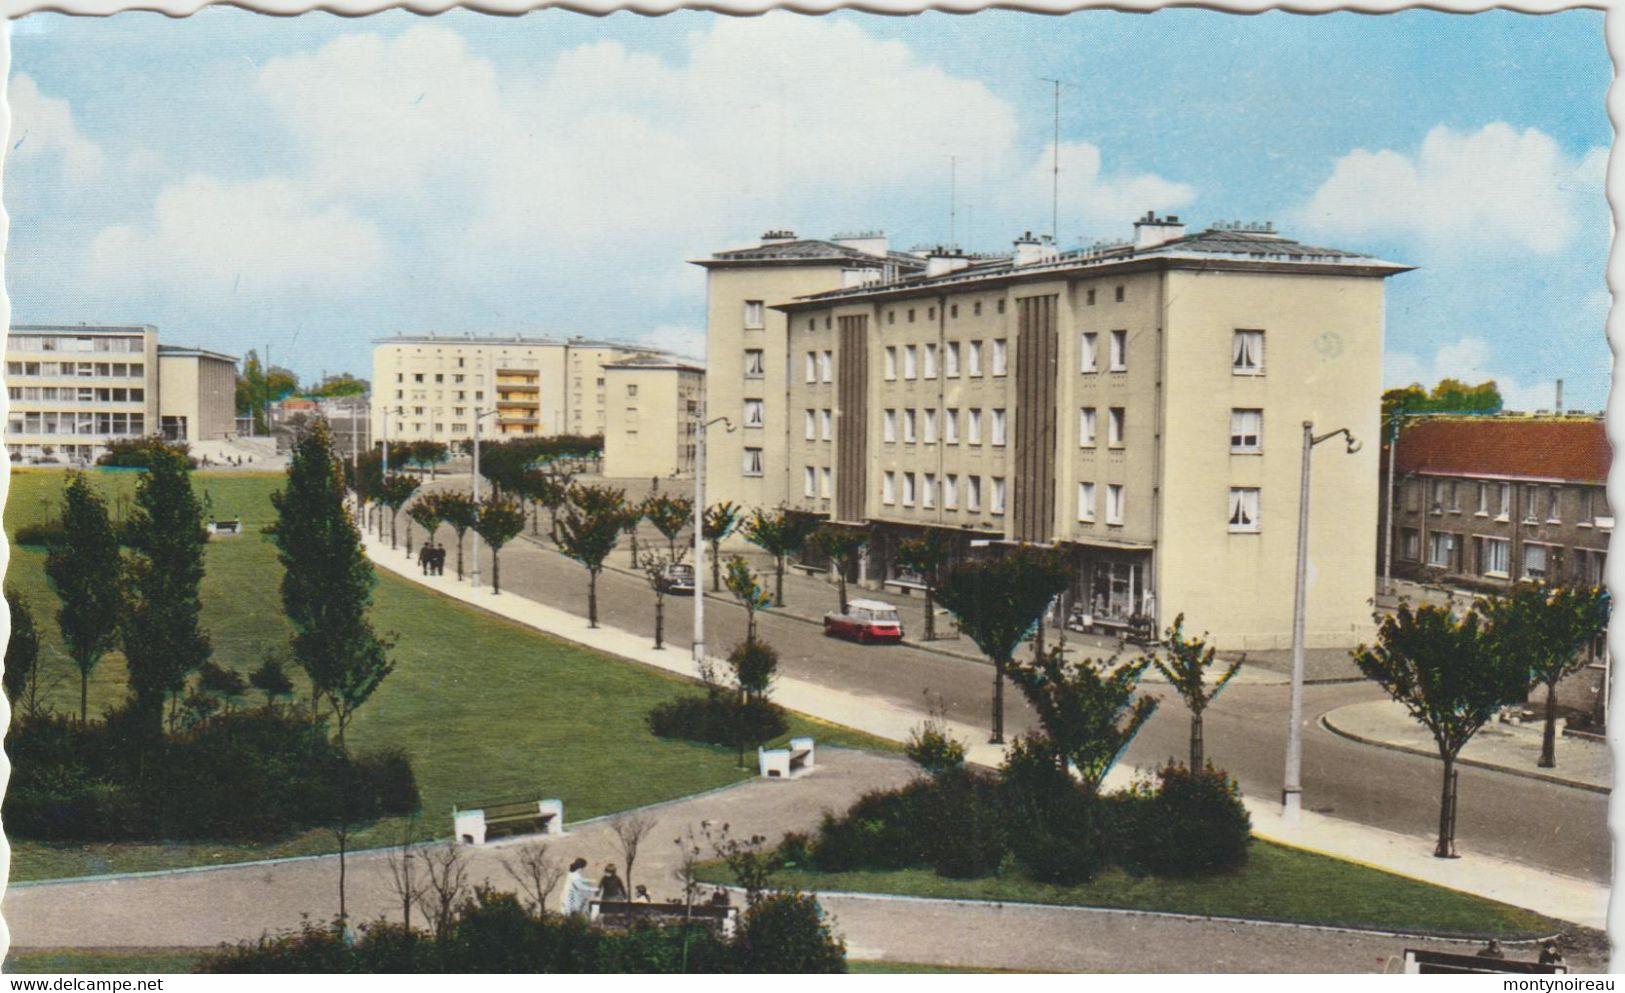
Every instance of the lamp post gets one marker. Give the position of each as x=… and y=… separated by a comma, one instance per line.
x=1292, y=790
x=700, y=425
x=474, y=574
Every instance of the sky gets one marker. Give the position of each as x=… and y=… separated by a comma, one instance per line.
x=311, y=183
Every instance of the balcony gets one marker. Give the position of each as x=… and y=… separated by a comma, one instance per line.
x=504, y=400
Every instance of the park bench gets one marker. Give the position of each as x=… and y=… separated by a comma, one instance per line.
x=625, y=914
x=811, y=570
x=225, y=527
x=907, y=587
x=1420, y=961
x=792, y=762
x=474, y=825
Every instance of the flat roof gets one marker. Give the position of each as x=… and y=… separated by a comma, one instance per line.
x=83, y=329
x=188, y=352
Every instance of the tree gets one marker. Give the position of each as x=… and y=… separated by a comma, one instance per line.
x=327, y=586
x=669, y=514
x=1088, y=709
x=720, y=521
x=630, y=830
x=779, y=534
x=83, y=568
x=631, y=517
x=460, y=512
x=339, y=385
x=428, y=454
x=271, y=678
x=427, y=514
x=398, y=488
x=1185, y=668
x=550, y=489
x=747, y=588
x=500, y=520
x=588, y=531
x=1452, y=680
x=537, y=872
x=657, y=569
x=927, y=555
x=22, y=656
x=1450, y=396
x=1545, y=627
x=843, y=543
x=226, y=684
x=999, y=601
x=163, y=636
x=258, y=387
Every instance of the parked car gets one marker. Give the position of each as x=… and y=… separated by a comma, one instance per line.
x=865, y=621
x=681, y=577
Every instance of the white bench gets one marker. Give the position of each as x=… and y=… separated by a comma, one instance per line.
x=793, y=762
x=907, y=587
x=474, y=825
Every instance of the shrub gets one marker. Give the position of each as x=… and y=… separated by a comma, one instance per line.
x=1194, y=825
x=388, y=773
x=787, y=933
x=40, y=535
x=796, y=849
x=754, y=663
x=718, y=718
x=933, y=749
x=877, y=832
x=963, y=825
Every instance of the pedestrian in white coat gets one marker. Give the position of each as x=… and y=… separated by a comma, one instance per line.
x=578, y=889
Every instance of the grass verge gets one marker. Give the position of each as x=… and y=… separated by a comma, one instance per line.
x=74, y=961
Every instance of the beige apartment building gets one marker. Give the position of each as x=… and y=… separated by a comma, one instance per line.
x=1140, y=405
x=651, y=419
x=430, y=386
x=75, y=387
x=748, y=353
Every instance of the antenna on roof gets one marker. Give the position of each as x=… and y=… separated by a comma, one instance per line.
x=1055, y=173
x=953, y=170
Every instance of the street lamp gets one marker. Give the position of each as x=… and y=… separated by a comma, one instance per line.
x=1292, y=791
x=474, y=574
x=699, y=529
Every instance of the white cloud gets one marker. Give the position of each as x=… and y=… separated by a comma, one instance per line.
x=1091, y=202
x=683, y=340
x=211, y=240
x=1472, y=361
x=42, y=126
x=1493, y=188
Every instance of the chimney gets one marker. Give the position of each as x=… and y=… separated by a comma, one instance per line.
x=1031, y=249
x=777, y=237
x=867, y=242
x=1151, y=230
x=940, y=261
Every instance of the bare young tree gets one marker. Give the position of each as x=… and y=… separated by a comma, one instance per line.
x=536, y=872
x=444, y=887
x=630, y=830
x=401, y=864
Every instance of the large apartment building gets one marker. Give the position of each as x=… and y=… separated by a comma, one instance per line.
x=1140, y=405
x=75, y=387
x=430, y=386
x=651, y=419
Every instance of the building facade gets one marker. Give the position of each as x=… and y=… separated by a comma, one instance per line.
x=73, y=388
x=1139, y=405
x=651, y=417
x=747, y=348
x=1487, y=502
x=430, y=386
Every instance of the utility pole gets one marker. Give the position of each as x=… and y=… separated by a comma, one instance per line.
x=474, y=574
x=699, y=537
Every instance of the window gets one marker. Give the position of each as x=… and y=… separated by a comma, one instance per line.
x=1410, y=544
x=891, y=362
x=1086, y=502
x=973, y=426
x=826, y=421
x=909, y=421
x=754, y=367
x=1243, y=509
x=1114, y=427
x=810, y=482
x=1088, y=350
x=1119, y=351
x=1483, y=500
x=888, y=488
x=930, y=426
x=1534, y=561
x=928, y=491
x=1497, y=557
x=950, y=360
x=1001, y=356
x=824, y=482
x=908, y=489
x=1530, y=495
x=1554, y=501
x=950, y=426
x=973, y=493
x=1442, y=550
x=1086, y=427
x=976, y=308
x=754, y=416
x=826, y=366
x=929, y=368
x=1089, y=298
x=753, y=462
x=910, y=359
x=950, y=492
x=998, y=426
x=812, y=367
x=1246, y=430
x=1247, y=353
x=891, y=317
x=888, y=426
x=809, y=431
x=1114, y=503
x=953, y=310
x=1439, y=495
x=998, y=305
x=973, y=358
x=754, y=314
x=911, y=315
x=1119, y=294
x=930, y=313
x=1504, y=504
x=996, y=501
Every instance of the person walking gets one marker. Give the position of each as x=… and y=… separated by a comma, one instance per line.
x=578, y=890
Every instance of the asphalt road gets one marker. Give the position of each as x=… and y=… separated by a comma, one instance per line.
x=1549, y=826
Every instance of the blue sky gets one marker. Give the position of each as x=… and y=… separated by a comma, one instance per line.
x=313, y=182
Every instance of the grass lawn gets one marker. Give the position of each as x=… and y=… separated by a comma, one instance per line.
x=1278, y=883
x=72, y=961
x=485, y=708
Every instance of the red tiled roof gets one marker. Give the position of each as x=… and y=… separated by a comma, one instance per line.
x=1535, y=448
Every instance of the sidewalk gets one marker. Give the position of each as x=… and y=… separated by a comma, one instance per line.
x=1509, y=748
x=1563, y=897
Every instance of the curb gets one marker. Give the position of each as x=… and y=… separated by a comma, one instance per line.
x=1325, y=722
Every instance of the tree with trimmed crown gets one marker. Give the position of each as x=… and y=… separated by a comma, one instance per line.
x=843, y=543
x=83, y=567
x=500, y=521
x=1089, y=709
x=460, y=512
x=927, y=555
x=588, y=532
x=1185, y=667
x=669, y=514
x=779, y=534
x=720, y=521
x=1546, y=627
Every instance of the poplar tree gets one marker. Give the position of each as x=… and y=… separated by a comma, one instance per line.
x=83, y=568
x=22, y=656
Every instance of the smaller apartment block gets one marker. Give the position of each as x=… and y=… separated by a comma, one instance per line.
x=1486, y=502
x=652, y=417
